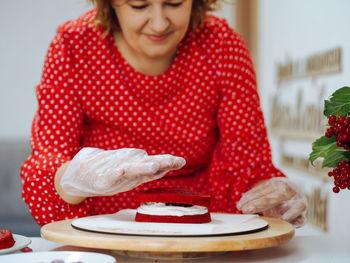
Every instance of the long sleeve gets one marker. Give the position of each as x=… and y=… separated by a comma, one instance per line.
x=55, y=139
x=242, y=156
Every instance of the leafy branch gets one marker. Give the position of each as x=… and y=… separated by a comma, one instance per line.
x=326, y=148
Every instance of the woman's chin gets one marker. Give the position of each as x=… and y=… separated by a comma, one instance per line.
x=158, y=53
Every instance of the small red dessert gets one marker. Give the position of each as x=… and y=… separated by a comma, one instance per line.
x=6, y=239
x=172, y=205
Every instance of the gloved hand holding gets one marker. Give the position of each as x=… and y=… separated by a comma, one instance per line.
x=276, y=197
x=94, y=172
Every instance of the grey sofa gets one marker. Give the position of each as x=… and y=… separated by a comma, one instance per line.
x=14, y=213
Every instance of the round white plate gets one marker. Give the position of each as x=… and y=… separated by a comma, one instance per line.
x=48, y=257
x=21, y=242
x=123, y=222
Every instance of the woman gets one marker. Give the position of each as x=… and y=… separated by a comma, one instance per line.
x=131, y=91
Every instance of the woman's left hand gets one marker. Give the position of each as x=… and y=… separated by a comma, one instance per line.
x=276, y=197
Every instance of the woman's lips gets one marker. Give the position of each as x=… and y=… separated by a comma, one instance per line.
x=158, y=38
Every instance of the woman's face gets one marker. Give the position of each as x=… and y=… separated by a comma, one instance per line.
x=153, y=28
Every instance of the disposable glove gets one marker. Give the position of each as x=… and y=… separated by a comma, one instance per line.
x=276, y=197
x=95, y=172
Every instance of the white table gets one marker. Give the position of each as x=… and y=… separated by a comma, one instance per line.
x=314, y=248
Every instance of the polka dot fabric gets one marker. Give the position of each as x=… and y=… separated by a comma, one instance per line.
x=205, y=108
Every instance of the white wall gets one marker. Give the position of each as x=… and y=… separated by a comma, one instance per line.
x=26, y=29
x=293, y=30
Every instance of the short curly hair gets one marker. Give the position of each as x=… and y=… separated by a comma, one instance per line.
x=107, y=19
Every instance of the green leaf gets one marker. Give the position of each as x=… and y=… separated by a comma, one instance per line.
x=333, y=158
x=321, y=147
x=339, y=103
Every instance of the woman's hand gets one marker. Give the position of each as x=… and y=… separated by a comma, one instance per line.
x=94, y=172
x=276, y=197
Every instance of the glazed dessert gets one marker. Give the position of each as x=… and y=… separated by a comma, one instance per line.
x=172, y=205
x=6, y=239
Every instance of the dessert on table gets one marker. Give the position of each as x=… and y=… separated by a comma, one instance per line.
x=6, y=239
x=172, y=205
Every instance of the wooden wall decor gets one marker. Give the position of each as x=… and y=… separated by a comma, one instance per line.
x=303, y=121
x=303, y=164
x=307, y=122
x=317, y=209
x=318, y=64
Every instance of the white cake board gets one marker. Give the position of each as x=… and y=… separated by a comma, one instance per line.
x=123, y=222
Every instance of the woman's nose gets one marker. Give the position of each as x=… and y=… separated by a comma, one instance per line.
x=159, y=21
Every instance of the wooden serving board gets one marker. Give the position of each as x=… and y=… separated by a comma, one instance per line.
x=278, y=232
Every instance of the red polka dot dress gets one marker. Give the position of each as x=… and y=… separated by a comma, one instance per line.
x=204, y=108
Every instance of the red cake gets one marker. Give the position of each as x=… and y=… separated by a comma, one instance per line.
x=172, y=205
x=6, y=239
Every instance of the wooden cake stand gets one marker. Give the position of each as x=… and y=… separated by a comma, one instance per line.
x=278, y=232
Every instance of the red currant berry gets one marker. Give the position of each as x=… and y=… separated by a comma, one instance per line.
x=336, y=189
x=332, y=119
x=341, y=119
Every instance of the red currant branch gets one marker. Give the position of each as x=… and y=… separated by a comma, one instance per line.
x=340, y=128
x=334, y=147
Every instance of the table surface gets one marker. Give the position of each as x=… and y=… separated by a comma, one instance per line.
x=300, y=249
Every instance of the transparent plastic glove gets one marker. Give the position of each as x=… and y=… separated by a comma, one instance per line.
x=276, y=197
x=94, y=172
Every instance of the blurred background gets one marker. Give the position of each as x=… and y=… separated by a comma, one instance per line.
x=301, y=52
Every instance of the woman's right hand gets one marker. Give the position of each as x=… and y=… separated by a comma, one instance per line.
x=96, y=172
